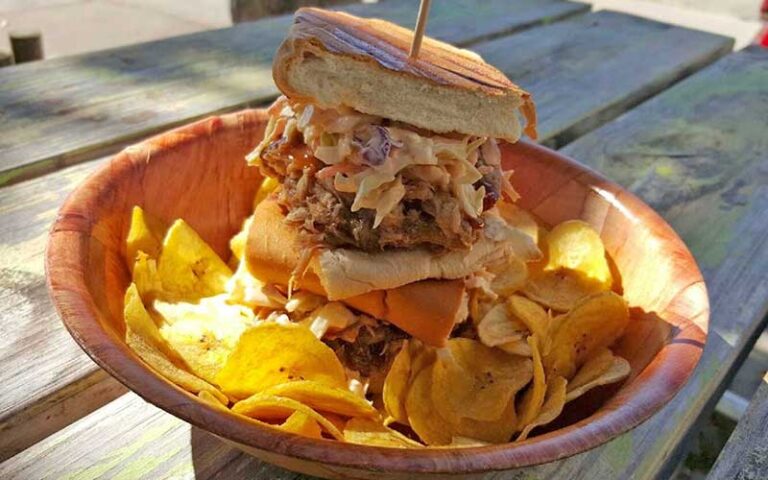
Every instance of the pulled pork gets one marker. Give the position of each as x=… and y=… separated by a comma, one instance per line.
x=427, y=216
x=371, y=352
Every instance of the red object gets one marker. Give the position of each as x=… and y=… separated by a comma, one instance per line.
x=762, y=37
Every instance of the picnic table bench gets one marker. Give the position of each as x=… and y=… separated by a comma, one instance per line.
x=669, y=113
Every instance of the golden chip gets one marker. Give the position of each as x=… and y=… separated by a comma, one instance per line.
x=168, y=369
x=533, y=398
x=595, y=323
x=552, y=408
x=534, y=317
x=517, y=347
x=471, y=380
x=422, y=356
x=145, y=234
x=367, y=431
x=237, y=243
x=268, y=185
x=574, y=245
x=618, y=370
x=145, y=277
x=593, y=367
x=466, y=442
x=189, y=269
x=270, y=408
x=212, y=400
x=396, y=385
x=139, y=322
x=510, y=278
x=494, y=431
x=302, y=424
x=498, y=327
x=269, y=354
x=423, y=417
x=320, y=396
x=204, y=333
x=560, y=290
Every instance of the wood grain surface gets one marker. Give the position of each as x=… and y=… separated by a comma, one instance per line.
x=745, y=456
x=47, y=379
x=589, y=69
x=71, y=109
x=710, y=185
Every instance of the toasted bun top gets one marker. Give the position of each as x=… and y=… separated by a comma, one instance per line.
x=332, y=58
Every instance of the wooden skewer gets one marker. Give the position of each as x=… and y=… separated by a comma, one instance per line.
x=421, y=25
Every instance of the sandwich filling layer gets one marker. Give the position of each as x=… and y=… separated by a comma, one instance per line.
x=360, y=181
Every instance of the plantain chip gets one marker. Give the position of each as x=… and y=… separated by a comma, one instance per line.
x=320, y=396
x=268, y=408
x=143, y=337
x=494, y=431
x=533, y=398
x=471, y=380
x=270, y=353
x=146, y=278
x=396, y=385
x=554, y=400
x=535, y=319
x=422, y=356
x=139, y=322
x=560, y=290
x=188, y=268
x=423, y=417
x=517, y=347
x=466, y=442
x=367, y=431
x=574, y=245
x=510, y=278
x=302, y=424
x=204, y=333
x=145, y=234
x=212, y=400
x=618, y=370
x=170, y=371
x=593, y=324
x=238, y=242
x=597, y=364
x=498, y=327
x=575, y=267
x=268, y=185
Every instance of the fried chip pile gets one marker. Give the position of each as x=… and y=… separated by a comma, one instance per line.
x=538, y=335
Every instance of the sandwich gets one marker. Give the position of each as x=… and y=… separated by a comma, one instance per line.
x=386, y=192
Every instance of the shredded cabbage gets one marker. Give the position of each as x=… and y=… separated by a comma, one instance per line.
x=384, y=153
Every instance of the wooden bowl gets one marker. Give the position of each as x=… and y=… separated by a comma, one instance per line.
x=198, y=173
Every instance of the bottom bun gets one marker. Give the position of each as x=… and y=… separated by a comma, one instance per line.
x=427, y=310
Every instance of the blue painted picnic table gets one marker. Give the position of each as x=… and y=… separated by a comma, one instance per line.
x=668, y=112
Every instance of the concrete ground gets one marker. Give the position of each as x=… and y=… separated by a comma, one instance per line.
x=76, y=26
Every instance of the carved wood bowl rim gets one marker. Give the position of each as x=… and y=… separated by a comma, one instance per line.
x=661, y=379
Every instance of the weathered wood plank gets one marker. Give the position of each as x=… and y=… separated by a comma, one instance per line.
x=29, y=207
x=697, y=154
x=588, y=70
x=128, y=439
x=745, y=456
x=67, y=110
x=47, y=380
